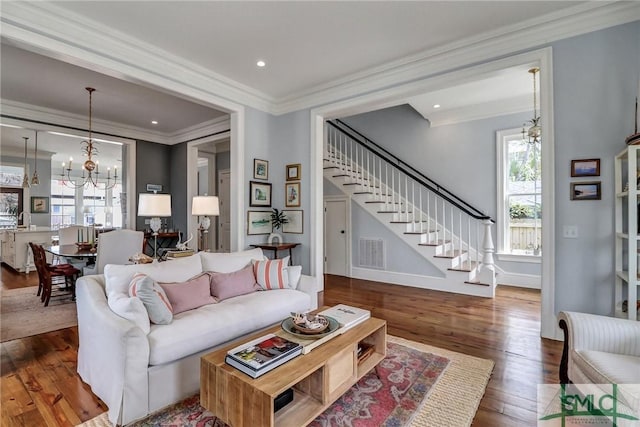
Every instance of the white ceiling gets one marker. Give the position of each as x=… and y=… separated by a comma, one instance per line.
x=305, y=44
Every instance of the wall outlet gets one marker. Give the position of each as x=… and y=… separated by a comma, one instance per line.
x=570, y=231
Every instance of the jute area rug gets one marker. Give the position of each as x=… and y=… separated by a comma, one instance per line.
x=22, y=314
x=418, y=385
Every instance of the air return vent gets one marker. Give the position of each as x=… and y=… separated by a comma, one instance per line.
x=371, y=253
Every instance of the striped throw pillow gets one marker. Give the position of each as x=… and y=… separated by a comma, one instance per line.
x=272, y=273
x=153, y=297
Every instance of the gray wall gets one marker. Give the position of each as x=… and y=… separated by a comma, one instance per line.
x=223, y=161
x=44, y=189
x=595, y=82
x=153, y=166
x=178, y=174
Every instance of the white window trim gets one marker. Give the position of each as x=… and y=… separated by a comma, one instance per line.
x=502, y=216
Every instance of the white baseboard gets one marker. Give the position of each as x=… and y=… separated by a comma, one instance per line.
x=531, y=281
x=418, y=281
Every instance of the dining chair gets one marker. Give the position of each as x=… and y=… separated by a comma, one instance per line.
x=50, y=275
x=115, y=247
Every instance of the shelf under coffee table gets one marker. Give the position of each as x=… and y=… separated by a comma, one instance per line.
x=317, y=378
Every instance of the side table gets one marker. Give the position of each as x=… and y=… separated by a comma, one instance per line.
x=278, y=247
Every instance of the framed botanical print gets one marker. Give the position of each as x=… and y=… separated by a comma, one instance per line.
x=292, y=194
x=259, y=194
x=295, y=223
x=260, y=169
x=293, y=172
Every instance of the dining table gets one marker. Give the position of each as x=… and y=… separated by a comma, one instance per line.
x=72, y=251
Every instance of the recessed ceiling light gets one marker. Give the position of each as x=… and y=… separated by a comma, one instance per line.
x=436, y=105
x=154, y=122
x=261, y=63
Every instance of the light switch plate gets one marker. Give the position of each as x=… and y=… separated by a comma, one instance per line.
x=570, y=231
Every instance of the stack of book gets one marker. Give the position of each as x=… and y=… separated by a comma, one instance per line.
x=347, y=316
x=174, y=253
x=263, y=354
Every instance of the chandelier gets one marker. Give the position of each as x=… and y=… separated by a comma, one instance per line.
x=90, y=168
x=532, y=133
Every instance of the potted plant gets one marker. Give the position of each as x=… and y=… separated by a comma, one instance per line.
x=278, y=219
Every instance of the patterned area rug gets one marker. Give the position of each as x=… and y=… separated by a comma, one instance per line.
x=415, y=385
x=23, y=314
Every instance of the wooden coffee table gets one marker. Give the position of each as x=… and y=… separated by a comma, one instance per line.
x=317, y=378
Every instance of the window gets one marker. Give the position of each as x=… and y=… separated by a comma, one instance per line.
x=63, y=205
x=519, y=194
x=96, y=205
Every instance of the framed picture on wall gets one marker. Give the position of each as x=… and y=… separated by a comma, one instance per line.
x=292, y=194
x=585, y=191
x=260, y=169
x=585, y=167
x=295, y=223
x=293, y=172
x=259, y=222
x=39, y=204
x=259, y=194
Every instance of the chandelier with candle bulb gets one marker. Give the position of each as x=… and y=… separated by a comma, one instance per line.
x=90, y=168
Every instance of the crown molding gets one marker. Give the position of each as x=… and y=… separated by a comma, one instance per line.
x=48, y=29
x=534, y=33
x=33, y=114
x=485, y=110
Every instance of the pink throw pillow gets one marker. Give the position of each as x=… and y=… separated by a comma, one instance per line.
x=188, y=295
x=228, y=285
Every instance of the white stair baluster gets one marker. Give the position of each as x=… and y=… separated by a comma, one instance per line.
x=421, y=211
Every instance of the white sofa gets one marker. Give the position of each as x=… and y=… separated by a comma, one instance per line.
x=137, y=367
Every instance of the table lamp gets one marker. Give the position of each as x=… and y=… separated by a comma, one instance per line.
x=204, y=206
x=155, y=206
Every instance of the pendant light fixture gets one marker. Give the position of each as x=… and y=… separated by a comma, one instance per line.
x=25, y=179
x=534, y=131
x=34, y=179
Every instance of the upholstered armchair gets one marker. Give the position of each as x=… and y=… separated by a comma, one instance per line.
x=599, y=349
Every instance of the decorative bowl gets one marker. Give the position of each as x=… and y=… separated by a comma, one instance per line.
x=309, y=324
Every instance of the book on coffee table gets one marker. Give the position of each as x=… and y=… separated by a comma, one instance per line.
x=346, y=315
x=263, y=354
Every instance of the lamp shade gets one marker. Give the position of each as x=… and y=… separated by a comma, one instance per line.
x=205, y=205
x=154, y=205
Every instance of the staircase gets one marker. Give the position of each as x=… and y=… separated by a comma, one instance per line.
x=449, y=233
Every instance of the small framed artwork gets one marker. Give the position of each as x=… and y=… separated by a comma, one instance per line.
x=259, y=194
x=294, y=172
x=295, y=223
x=585, y=167
x=585, y=191
x=260, y=169
x=292, y=194
x=259, y=222
x=39, y=204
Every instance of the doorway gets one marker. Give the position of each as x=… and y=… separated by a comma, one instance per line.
x=337, y=236
x=224, y=220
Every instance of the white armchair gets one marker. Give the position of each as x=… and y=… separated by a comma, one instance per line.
x=599, y=349
x=115, y=247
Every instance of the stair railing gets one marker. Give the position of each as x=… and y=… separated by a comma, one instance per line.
x=431, y=211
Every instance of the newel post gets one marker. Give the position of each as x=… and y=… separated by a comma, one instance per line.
x=487, y=270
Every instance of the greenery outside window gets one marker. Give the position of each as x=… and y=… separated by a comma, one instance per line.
x=519, y=194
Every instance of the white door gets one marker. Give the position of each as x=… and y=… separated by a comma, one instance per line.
x=335, y=237
x=224, y=220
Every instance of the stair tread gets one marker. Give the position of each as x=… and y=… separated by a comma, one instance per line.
x=393, y=212
x=436, y=243
x=419, y=233
x=417, y=221
x=330, y=167
x=450, y=254
x=362, y=192
x=465, y=267
x=476, y=282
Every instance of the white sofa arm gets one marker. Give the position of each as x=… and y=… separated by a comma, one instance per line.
x=113, y=353
x=602, y=333
x=309, y=285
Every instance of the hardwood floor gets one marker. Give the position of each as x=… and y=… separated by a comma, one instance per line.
x=40, y=387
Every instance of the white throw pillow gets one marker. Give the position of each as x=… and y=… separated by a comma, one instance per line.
x=118, y=277
x=131, y=309
x=295, y=272
x=229, y=262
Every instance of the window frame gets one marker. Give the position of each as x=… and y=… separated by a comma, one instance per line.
x=502, y=218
